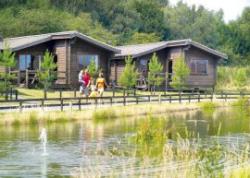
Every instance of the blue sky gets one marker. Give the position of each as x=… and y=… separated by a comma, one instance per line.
x=232, y=8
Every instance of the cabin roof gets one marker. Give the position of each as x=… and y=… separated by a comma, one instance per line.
x=23, y=42
x=144, y=49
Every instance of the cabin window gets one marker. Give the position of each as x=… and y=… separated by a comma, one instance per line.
x=199, y=67
x=84, y=60
x=25, y=62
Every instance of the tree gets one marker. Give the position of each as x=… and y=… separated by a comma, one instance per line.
x=7, y=60
x=46, y=74
x=93, y=71
x=181, y=72
x=155, y=68
x=129, y=75
x=140, y=38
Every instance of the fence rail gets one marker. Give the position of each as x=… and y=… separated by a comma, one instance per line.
x=79, y=102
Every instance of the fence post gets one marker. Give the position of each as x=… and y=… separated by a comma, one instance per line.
x=20, y=106
x=111, y=101
x=137, y=101
x=60, y=94
x=95, y=102
x=113, y=90
x=42, y=104
x=189, y=98
x=11, y=90
x=159, y=98
x=212, y=97
x=149, y=99
x=6, y=95
x=179, y=97
x=123, y=92
x=74, y=93
x=124, y=100
x=61, y=104
x=79, y=104
x=170, y=99
x=135, y=92
x=199, y=97
x=45, y=93
x=16, y=94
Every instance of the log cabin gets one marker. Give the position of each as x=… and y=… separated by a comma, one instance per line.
x=202, y=61
x=73, y=50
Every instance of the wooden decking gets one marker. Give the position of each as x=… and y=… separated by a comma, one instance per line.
x=27, y=77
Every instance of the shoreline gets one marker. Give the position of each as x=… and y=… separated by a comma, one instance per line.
x=107, y=113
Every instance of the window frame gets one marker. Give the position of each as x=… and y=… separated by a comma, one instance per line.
x=79, y=56
x=26, y=66
x=195, y=61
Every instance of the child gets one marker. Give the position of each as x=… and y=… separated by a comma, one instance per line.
x=101, y=84
x=94, y=93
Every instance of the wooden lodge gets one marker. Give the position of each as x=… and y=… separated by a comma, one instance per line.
x=73, y=50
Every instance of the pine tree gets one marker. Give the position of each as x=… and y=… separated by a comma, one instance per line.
x=155, y=68
x=181, y=72
x=129, y=76
x=7, y=60
x=46, y=74
x=93, y=71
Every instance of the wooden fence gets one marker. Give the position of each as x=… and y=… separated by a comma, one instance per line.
x=80, y=102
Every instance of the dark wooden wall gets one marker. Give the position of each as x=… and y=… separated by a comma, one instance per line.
x=80, y=47
x=206, y=80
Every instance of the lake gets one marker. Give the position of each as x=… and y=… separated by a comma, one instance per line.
x=197, y=143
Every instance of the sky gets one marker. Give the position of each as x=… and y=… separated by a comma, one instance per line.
x=232, y=8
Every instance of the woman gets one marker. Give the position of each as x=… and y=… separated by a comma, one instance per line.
x=86, y=80
x=101, y=84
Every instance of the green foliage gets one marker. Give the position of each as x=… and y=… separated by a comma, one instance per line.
x=155, y=68
x=93, y=71
x=46, y=74
x=241, y=102
x=181, y=73
x=131, y=21
x=232, y=78
x=129, y=75
x=208, y=107
x=141, y=38
x=240, y=78
x=7, y=60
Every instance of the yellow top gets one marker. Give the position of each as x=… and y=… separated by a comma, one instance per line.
x=94, y=94
x=100, y=82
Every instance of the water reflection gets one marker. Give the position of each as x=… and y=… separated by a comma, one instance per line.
x=74, y=145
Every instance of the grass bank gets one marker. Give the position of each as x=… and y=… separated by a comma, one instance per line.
x=102, y=114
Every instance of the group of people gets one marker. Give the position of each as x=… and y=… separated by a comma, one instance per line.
x=88, y=87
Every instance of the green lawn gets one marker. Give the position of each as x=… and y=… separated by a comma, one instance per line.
x=38, y=93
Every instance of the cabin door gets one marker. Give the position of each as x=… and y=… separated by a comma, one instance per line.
x=170, y=71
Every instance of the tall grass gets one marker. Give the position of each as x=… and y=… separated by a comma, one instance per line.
x=231, y=78
x=103, y=115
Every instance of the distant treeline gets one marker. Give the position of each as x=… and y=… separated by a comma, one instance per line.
x=129, y=21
